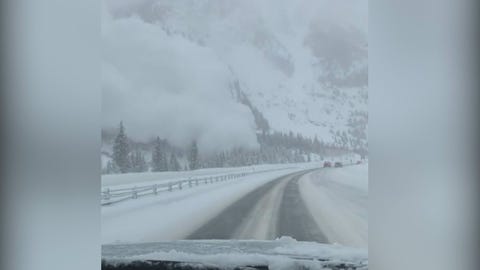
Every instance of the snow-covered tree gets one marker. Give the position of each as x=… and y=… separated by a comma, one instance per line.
x=137, y=161
x=193, y=159
x=121, y=150
x=111, y=167
x=159, y=160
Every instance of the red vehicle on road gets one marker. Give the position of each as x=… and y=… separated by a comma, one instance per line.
x=327, y=164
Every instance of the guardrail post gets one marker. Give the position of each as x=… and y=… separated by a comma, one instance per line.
x=196, y=182
x=107, y=194
x=169, y=186
x=134, y=193
x=189, y=183
x=155, y=189
x=179, y=185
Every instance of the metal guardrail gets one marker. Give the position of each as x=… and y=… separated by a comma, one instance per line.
x=111, y=196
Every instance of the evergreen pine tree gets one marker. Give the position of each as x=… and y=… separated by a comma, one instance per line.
x=193, y=159
x=121, y=150
x=157, y=156
x=138, y=163
x=111, y=168
x=163, y=162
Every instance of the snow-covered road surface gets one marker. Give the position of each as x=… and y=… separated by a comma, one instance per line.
x=322, y=205
x=269, y=212
x=338, y=201
x=175, y=215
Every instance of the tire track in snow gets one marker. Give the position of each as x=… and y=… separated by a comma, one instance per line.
x=270, y=211
x=295, y=219
x=339, y=209
x=261, y=221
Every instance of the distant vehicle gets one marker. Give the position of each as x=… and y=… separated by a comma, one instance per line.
x=338, y=164
x=327, y=164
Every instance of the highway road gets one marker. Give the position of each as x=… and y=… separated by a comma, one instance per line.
x=273, y=210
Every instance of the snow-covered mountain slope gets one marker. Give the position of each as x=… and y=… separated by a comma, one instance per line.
x=302, y=64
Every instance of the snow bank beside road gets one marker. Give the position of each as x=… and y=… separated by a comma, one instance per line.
x=338, y=201
x=149, y=178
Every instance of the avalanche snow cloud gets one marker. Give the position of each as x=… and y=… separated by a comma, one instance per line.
x=169, y=68
x=168, y=86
